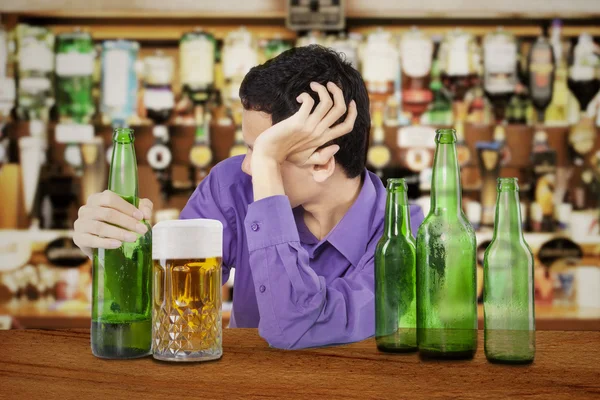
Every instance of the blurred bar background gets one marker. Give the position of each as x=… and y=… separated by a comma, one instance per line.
x=519, y=80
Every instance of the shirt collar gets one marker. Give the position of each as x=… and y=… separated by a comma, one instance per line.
x=351, y=235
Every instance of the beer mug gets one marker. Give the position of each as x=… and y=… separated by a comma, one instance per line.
x=186, y=315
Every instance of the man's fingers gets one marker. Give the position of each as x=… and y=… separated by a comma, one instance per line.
x=146, y=208
x=321, y=156
x=86, y=240
x=112, y=200
x=325, y=104
x=104, y=230
x=306, y=107
x=113, y=217
x=343, y=128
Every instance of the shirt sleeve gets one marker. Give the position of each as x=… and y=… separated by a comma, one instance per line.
x=297, y=308
x=206, y=203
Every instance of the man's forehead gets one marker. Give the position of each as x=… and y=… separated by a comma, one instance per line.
x=254, y=123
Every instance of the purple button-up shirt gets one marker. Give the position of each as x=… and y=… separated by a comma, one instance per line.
x=299, y=291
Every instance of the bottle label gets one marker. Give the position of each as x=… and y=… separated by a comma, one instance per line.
x=418, y=159
x=35, y=55
x=74, y=64
x=416, y=136
x=197, y=58
x=158, y=70
x=34, y=85
x=458, y=61
x=416, y=56
x=500, y=56
x=115, y=83
x=158, y=99
x=417, y=96
x=159, y=157
x=7, y=91
x=238, y=58
x=540, y=69
x=200, y=156
x=380, y=61
x=379, y=156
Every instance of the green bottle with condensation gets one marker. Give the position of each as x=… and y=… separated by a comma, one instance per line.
x=446, y=264
x=395, y=270
x=121, y=278
x=508, y=291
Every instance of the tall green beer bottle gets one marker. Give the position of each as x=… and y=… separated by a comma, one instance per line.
x=508, y=284
x=395, y=258
x=446, y=285
x=121, y=287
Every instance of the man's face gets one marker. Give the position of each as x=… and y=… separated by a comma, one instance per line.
x=298, y=182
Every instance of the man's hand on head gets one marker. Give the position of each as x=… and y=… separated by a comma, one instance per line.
x=299, y=137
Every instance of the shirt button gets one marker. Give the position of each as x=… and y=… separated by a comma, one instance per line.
x=254, y=227
x=262, y=288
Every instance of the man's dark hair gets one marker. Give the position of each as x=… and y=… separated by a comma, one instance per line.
x=273, y=87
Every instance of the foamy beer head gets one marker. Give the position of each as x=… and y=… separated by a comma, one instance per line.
x=186, y=312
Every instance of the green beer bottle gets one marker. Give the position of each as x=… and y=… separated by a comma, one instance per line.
x=508, y=284
x=395, y=258
x=121, y=287
x=446, y=285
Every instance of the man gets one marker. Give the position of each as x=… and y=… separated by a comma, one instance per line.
x=301, y=214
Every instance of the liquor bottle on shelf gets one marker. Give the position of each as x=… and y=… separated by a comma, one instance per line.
x=440, y=109
x=36, y=72
x=122, y=277
x=119, y=84
x=557, y=111
x=516, y=112
x=240, y=54
x=380, y=63
x=489, y=165
x=379, y=155
x=584, y=83
x=197, y=65
x=7, y=88
x=508, y=298
x=500, y=76
x=544, y=171
x=274, y=47
x=541, y=76
x=159, y=102
x=416, y=52
x=201, y=154
x=459, y=63
x=395, y=275
x=239, y=146
x=446, y=247
x=75, y=56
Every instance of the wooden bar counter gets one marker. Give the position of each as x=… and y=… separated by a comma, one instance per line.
x=58, y=364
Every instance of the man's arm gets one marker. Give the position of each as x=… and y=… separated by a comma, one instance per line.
x=297, y=308
x=206, y=202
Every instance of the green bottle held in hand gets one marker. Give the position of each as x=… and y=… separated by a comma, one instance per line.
x=446, y=264
x=122, y=286
x=395, y=258
x=508, y=300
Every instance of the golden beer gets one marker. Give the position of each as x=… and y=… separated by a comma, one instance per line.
x=186, y=311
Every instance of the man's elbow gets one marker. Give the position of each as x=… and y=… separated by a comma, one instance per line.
x=276, y=339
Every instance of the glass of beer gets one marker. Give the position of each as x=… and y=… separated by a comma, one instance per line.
x=186, y=316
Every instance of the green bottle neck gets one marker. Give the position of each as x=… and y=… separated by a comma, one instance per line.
x=445, y=185
x=508, y=211
x=397, y=213
x=123, y=177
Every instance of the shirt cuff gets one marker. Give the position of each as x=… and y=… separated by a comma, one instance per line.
x=269, y=222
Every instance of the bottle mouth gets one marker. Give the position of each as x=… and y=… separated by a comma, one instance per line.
x=123, y=135
x=445, y=136
x=508, y=185
x=397, y=185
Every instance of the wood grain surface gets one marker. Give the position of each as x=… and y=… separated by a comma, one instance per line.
x=59, y=365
